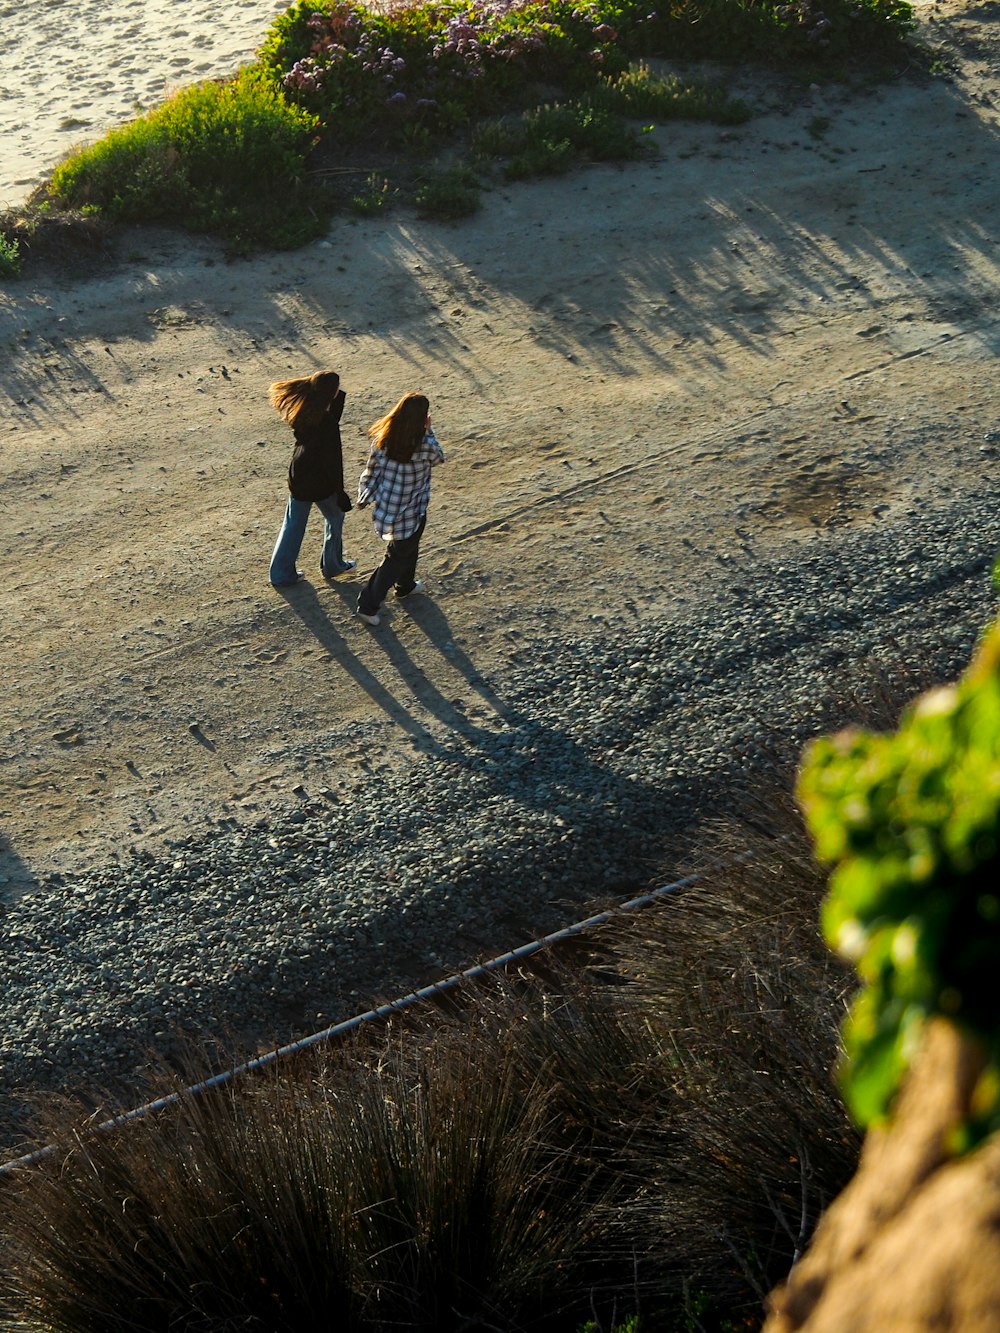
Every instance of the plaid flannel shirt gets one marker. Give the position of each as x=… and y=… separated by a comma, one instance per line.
x=399, y=492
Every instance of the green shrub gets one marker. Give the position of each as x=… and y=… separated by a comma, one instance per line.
x=216, y=157
x=551, y=157
x=911, y=824
x=593, y=132
x=66, y=239
x=374, y=198
x=448, y=194
x=437, y=63
x=10, y=256
x=440, y=66
x=630, y=1325
x=443, y=64
x=550, y=139
x=816, y=33
x=230, y=158
x=640, y=94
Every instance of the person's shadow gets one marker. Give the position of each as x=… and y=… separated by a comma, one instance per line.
x=545, y=765
x=592, y=813
x=303, y=600
x=15, y=877
x=431, y=620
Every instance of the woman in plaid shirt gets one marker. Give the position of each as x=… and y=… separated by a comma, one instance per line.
x=396, y=484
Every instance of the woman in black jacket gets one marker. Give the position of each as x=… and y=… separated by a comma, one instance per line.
x=312, y=407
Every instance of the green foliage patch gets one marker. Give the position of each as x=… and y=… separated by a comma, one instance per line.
x=448, y=194
x=216, y=157
x=375, y=196
x=446, y=63
x=551, y=139
x=10, y=257
x=63, y=238
x=235, y=158
x=640, y=94
x=911, y=824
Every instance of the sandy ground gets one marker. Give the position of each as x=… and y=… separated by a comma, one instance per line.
x=641, y=376
x=71, y=69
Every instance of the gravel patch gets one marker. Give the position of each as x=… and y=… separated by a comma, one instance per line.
x=611, y=739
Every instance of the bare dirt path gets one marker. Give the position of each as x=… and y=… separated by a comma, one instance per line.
x=636, y=373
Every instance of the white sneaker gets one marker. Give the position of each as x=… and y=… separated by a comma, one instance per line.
x=417, y=587
x=371, y=620
x=348, y=566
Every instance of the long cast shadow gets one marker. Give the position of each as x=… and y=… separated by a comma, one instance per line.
x=302, y=599
x=428, y=617
x=541, y=765
x=413, y=676
x=15, y=877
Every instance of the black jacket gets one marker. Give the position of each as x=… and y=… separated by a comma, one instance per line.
x=317, y=468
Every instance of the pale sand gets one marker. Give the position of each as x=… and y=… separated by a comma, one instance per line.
x=71, y=69
x=637, y=374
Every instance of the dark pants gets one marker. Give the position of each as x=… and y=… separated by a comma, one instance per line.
x=398, y=567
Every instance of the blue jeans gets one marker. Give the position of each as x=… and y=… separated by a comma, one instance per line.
x=293, y=529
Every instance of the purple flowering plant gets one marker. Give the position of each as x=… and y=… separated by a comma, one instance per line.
x=442, y=62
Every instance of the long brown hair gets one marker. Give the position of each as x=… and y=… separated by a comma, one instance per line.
x=401, y=431
x=302, y=402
